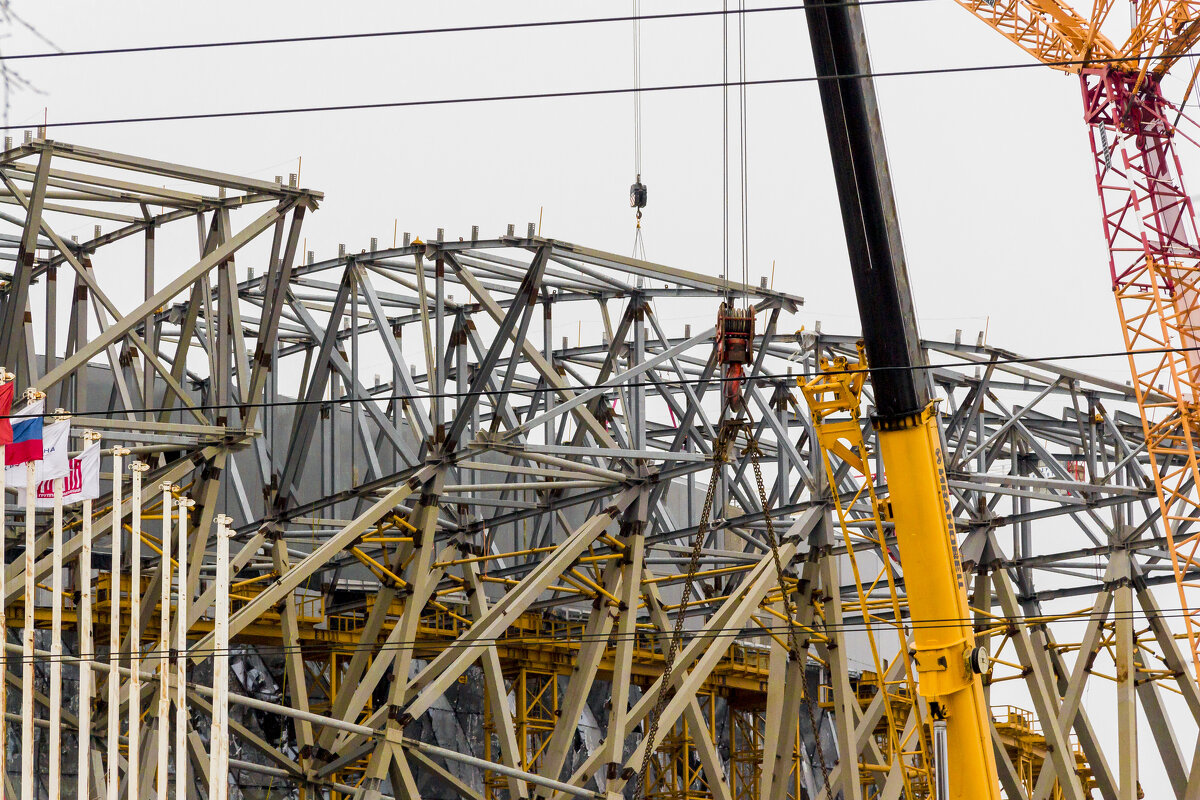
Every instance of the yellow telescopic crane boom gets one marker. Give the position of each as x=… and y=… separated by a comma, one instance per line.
x=948, y=662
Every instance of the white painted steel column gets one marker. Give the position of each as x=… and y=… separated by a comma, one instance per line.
x=5, y=377
x=164, y=644
x=29, y=766
x=218, y=757
x=87, y=647
x=54, y=782
x=181, y=627
x=133, y=734
x=1124, y=658
x=114, y=629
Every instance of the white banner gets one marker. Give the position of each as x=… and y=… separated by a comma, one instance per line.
x=82, y=481
x=56, y=438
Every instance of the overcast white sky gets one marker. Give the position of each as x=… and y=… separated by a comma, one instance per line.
x=993, y=172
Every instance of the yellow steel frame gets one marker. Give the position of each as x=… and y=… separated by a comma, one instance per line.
x=536, y=694
x=1027, y=749
x=675, y=772
x=834, y=399
x=537, y=651
x=746, y=751
x=837, y=393
x=351, y=774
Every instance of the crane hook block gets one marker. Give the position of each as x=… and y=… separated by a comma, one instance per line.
x=735, y=347
x=735, y=335
x=637, y=194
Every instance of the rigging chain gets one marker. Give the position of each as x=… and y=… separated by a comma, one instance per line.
x=726, y=437
x=793, y=638
x=720, y=451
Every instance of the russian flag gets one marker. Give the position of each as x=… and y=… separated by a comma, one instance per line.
x=6, y=398
x=26, y=435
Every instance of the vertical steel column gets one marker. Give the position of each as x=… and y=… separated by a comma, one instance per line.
x=461, y=386
x=54, y=784
x=271, y=419
x=335, y=415
x=327, y=462
x=87, y=647
x=12, y=311
x=691, y=487
x=1126, y=665
x=632, y=567
x=548, y=353
x=114, y=630
x=80, y=311
x=51, y=318
x=133, y=735
x=182, y=610
x=150, y=334
x=439, y=351
x=222, y=344
x=783, y=492
x=435, y=414
x=164, y=644
x=29, y=766
x=5, y=377
x=218, y=765
x=355, y=407
x=638, y=432
x=397, y=404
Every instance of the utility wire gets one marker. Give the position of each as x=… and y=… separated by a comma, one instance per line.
x=713, y=634
x=470, y=100
x=503, y=26
x=725, y=149
x=537, y=390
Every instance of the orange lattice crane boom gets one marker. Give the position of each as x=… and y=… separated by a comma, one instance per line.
x=1056, y=35
x=1149, y=224
x=1048, y=30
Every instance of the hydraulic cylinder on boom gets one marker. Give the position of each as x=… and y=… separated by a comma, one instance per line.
x=948, y=661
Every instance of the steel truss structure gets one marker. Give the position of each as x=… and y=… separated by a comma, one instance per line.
x=459, y=577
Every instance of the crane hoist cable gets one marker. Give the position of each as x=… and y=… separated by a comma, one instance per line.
x=742, y=153
x=725, y=148
x=743, y=160
x=637, y=191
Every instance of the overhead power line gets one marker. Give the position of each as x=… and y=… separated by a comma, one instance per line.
x=536, y=390
x=729, y=633
x=566, y=94
x=342, y=37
